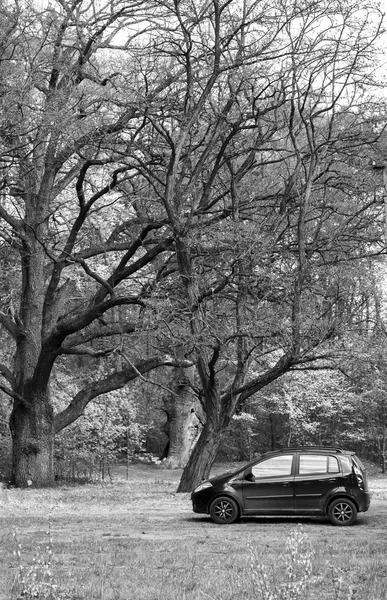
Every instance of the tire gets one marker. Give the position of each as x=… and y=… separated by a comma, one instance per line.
x=224, y=510
x=342, y=512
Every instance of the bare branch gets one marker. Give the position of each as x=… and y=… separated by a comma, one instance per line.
x=16, y=224
x=7, y=373
x=93, y=274
x=86, y=351
x=100, y=330
x=9, y=324
x=14, y=395
x=185, y=364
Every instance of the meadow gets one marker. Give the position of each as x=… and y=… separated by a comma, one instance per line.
x=136, y=539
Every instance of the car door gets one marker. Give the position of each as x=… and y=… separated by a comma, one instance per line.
x=317, y=475
x=271, y=488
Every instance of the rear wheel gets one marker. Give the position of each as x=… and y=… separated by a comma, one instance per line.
x=342, y=512
x=224, y=510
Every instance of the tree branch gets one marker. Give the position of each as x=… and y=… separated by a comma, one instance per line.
x=7, y=373
x=16, y=224
x=257, y=383
x=114, y=381
x=101, y=331
x=85, y=350
x=14, y=395
x=72, y=324
x=123, y=272
x=141, y=376
x=93, y=274
x=9, y=324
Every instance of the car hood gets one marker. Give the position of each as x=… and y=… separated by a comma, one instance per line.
x=225, y=476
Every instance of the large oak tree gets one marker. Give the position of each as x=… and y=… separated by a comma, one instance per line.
x=70, y=107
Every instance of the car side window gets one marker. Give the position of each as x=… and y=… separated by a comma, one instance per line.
x=273, y=467
x=333, y=465
x=318, y=463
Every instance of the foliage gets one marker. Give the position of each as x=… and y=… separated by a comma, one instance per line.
x=107, y=433
x=303, y=408
x=366, y=369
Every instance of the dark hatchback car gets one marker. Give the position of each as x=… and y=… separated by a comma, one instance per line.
x=292, y=481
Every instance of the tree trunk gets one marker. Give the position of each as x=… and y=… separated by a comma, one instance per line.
x=32, y=430
x=183, y=428
x=202, y=457
x=184, y=420
x=220, y=409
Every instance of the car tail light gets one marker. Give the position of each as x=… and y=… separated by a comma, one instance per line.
x=359, y=478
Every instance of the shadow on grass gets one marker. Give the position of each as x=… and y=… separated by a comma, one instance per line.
x=275, y=520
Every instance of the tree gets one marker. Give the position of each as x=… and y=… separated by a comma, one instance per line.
x=84, y=249
x=282, y=130
x=181, y=171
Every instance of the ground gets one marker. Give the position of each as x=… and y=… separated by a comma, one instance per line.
x=136, y=539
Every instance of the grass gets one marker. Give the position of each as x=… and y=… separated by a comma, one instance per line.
x=138, y=540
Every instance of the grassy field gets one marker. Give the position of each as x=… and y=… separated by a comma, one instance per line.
x=136, y=539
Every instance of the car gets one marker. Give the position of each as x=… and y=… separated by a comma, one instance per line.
x=312, y=480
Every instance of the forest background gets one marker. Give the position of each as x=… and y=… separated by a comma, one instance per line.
x=193, y=233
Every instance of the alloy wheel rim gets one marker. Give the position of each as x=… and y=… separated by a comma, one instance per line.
x=224, y=510
x=342, y=512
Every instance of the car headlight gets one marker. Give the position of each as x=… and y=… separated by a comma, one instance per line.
x=203, y=486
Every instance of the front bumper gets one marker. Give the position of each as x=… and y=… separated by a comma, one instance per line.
x=199, y=508
x=201, y=500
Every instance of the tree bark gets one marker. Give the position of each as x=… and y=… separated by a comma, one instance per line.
x=202, y=457
x=32, y=430
x=184, y=420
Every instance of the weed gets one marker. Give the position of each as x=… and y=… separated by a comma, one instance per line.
x=343, y=591
x=297, y=570
x=36, y=581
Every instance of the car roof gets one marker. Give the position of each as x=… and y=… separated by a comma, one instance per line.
x=329, y=449
x=311, y=449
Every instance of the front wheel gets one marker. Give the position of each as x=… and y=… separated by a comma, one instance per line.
x=224, y=510
x=342, y=512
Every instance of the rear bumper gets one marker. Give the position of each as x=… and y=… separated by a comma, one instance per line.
x=365, y=501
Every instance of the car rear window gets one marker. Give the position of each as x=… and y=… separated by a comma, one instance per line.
x=318, y=463
x=346, y=464
x=358, y=462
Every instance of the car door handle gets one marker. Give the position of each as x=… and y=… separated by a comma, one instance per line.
x=285, y=484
